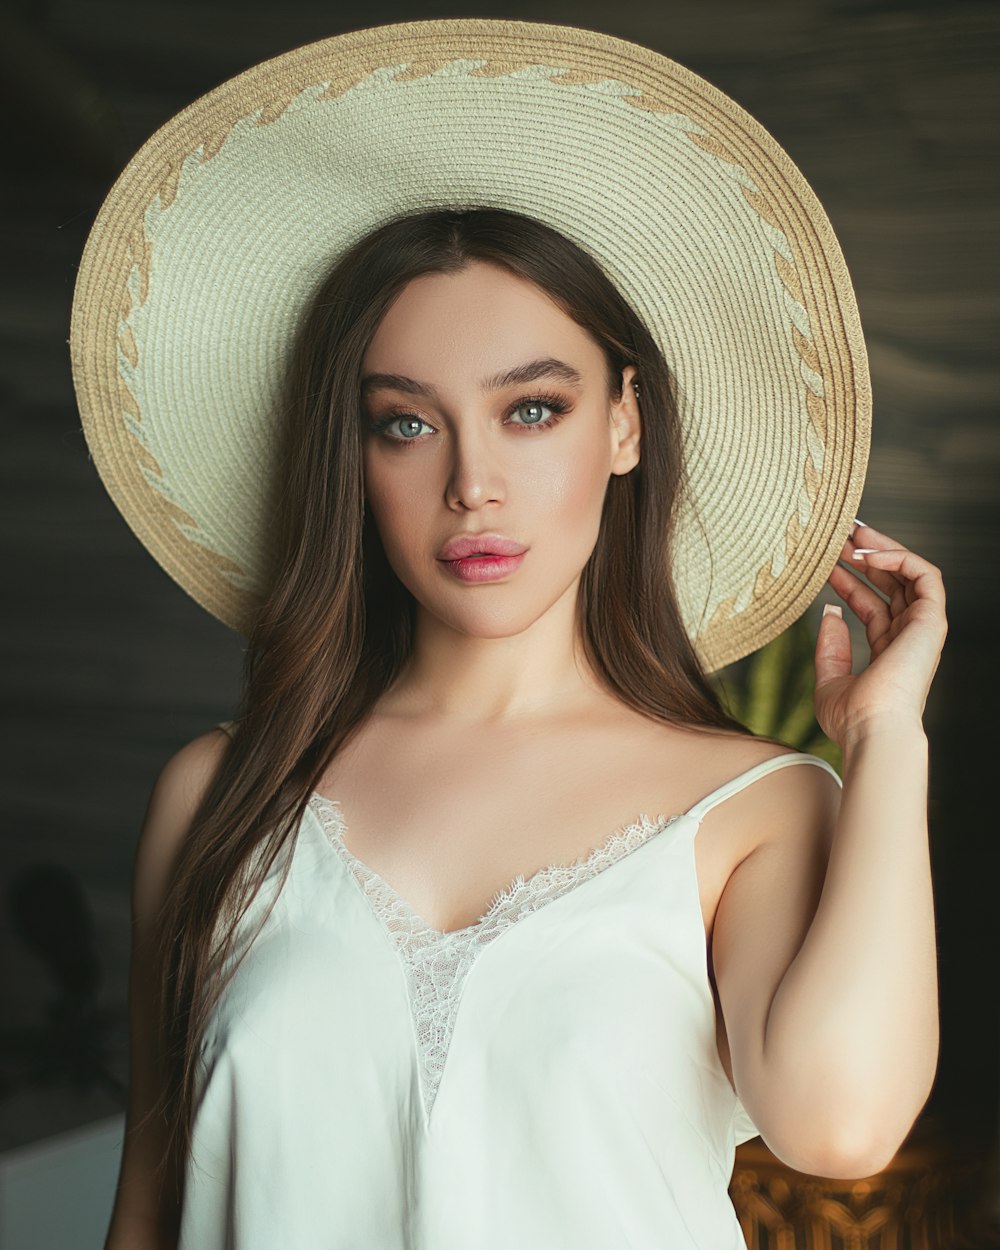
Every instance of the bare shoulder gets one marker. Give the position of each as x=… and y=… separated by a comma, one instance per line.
x=175, y=796
x=185, y=776
x=701, y=761
x=799, y=801
x=800, y=798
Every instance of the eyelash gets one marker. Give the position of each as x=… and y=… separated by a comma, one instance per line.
x=553, y=402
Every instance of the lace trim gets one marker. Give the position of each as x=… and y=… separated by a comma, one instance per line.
x=436, y=962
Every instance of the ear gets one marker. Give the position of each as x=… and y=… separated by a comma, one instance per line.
x=625, y=425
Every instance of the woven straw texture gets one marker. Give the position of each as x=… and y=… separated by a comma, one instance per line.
x=214, y=237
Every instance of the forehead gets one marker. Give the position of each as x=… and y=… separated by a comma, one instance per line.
x=474, y=325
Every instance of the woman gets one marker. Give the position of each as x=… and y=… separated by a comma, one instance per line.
x=419, y=984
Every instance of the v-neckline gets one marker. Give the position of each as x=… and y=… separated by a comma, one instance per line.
x=437, y=962
x=618, y=845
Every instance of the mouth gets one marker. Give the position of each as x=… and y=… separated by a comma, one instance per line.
x=482, y=566
x=480, y=547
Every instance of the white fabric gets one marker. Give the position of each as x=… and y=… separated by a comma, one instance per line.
x=545, y=1078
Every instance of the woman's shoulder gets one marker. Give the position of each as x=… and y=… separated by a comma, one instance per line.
x=195, y=761
x=175, y=797
x=754, y=802
x=714, y=750
x=802, y=791
x=184, y=778
x=760, y=750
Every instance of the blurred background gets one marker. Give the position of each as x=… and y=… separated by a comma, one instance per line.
x=889, y=108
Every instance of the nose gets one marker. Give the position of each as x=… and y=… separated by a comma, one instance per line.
x=475, y=473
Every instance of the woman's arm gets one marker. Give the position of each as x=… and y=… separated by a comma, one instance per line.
x=835, y=1056
x=835, y=1017
x=143, y=1217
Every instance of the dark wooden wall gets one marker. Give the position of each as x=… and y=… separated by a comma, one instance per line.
x=887, y=107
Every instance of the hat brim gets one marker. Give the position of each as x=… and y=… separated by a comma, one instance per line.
x=211, y=242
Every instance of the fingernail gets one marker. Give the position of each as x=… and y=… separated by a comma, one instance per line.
x=858, y=521
x=862, y=551
x=835, y=608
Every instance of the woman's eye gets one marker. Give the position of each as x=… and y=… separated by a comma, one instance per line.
x=407, y=427
x=535, y=409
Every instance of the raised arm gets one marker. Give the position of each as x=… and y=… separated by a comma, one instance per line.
x=831, y=998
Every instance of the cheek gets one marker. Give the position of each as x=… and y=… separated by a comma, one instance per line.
x=391, y=503
x=571, y=488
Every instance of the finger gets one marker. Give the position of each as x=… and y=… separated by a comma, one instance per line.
x=862, y=532
x=833, y=648
x=924, y=579
x=868, y=606
x=896, y=588
x=865, y=536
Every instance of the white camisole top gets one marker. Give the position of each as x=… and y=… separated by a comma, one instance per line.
x=547, y=1078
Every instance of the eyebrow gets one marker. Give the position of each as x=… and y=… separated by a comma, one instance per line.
x=545, y=367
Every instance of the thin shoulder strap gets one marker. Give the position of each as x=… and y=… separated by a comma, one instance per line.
x=227, y=727
x=759, y=770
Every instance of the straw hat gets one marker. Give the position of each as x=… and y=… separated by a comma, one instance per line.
x=211, y=242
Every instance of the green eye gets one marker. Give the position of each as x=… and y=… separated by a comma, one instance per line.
x=406, y=420
x=537, y=406
x=554, y=404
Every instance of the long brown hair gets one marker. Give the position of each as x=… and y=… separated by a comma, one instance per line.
x=337, y=625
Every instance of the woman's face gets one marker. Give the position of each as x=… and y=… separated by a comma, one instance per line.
x=462, y=451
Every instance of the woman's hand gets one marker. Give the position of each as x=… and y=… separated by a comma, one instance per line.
x=905, y=636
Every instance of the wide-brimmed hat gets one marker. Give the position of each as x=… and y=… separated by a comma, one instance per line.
x=209, y=246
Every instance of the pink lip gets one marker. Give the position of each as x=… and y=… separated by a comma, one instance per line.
x=482, y=568
x=463, y=545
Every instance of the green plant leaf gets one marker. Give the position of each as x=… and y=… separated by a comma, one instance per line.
x=772, y=692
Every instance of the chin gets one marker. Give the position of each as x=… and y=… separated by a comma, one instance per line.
x=501, y=609
x=500, y=621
